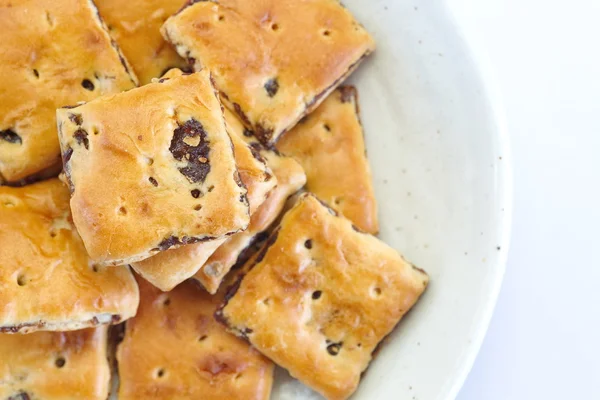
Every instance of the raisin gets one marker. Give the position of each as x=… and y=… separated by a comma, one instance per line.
x=272, y=86
x=76, y=119
x=87, y=84
x=82, y=138
x=10, y=136
x=196, y=157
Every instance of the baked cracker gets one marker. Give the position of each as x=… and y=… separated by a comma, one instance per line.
x=273, y=61
x=330, y=146
x=54, y=53
x=151, y=169
x=55, y=365
x=135, y=25
x=47, y=281
x=174, y=348
x=320, y=297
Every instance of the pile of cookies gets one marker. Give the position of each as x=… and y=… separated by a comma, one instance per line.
x=214, y=206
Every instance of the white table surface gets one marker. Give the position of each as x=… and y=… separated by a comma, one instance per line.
x=544, y=339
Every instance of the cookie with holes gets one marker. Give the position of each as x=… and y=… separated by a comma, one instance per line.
x=290, y=178
x=56, y=52
x=55, y=365
x=329, y=143
x=174, y=348
x=135, y=25
x=169, y=268
x=273, y=61
x=320, y=296
x=151, y=169
x=47, y=281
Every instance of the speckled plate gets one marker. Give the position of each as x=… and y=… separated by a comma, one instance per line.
x=442, y=180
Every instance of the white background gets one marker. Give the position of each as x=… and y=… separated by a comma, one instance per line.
x=544, y=339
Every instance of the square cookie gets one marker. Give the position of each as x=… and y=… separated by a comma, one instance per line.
x=320, y=297
x=163, y=154
x=290, y=179
x=169, y=268
x=47, y=281
x=174, y=348
x=54, y=53
x=135, y=25
x=273, y=61
x=330, y=145
x=55, y=365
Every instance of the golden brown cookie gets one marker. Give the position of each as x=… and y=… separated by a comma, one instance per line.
x=135, y=25
x=274, y=60
x=321, y=296
x=54, y=53
x=330, y=146
x=174, y=348
x=169, y=268
x=151, y=169
x=54, y=365
x=290, y=178
x=47, y=281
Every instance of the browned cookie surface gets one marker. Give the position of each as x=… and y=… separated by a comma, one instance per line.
x=174, y=348
x=151, y=169
x=54, y=365
x=273, y=60
x=47, y=281
x=329, y=143
x=321, y=296
x=135, y=25
x=53, y=53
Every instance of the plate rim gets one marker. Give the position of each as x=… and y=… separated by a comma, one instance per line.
x=485, y=75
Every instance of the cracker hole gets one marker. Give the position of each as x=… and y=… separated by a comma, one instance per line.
x=52, y=234
x=195, y=193
x=275, y=27
x=376, y=291
x=95, y=130
x=153, y=181
x=87, y=84
x=21, y=280
x=221, y=17
x=36, y=73
x=167, y=302
x=160, y=372
x=149, y=160
x=202, y=338
x=317, y=294
x=95, y=268
x=238, y=376
x=198, y=207
x=308, y=244
x=359, y=345
x=49, y=19
x=122, y=211
x=334, y=348
x=211, y=188
x=337, y=200
x=327, y=127
x=326, y=32
x=267, y=301
x=60, y=362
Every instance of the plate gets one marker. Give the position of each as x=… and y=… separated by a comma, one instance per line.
x=442, y=180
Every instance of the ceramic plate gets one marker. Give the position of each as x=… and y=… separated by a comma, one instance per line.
x=441, y=176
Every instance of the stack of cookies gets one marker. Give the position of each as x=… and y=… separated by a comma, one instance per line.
x=213, y=214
